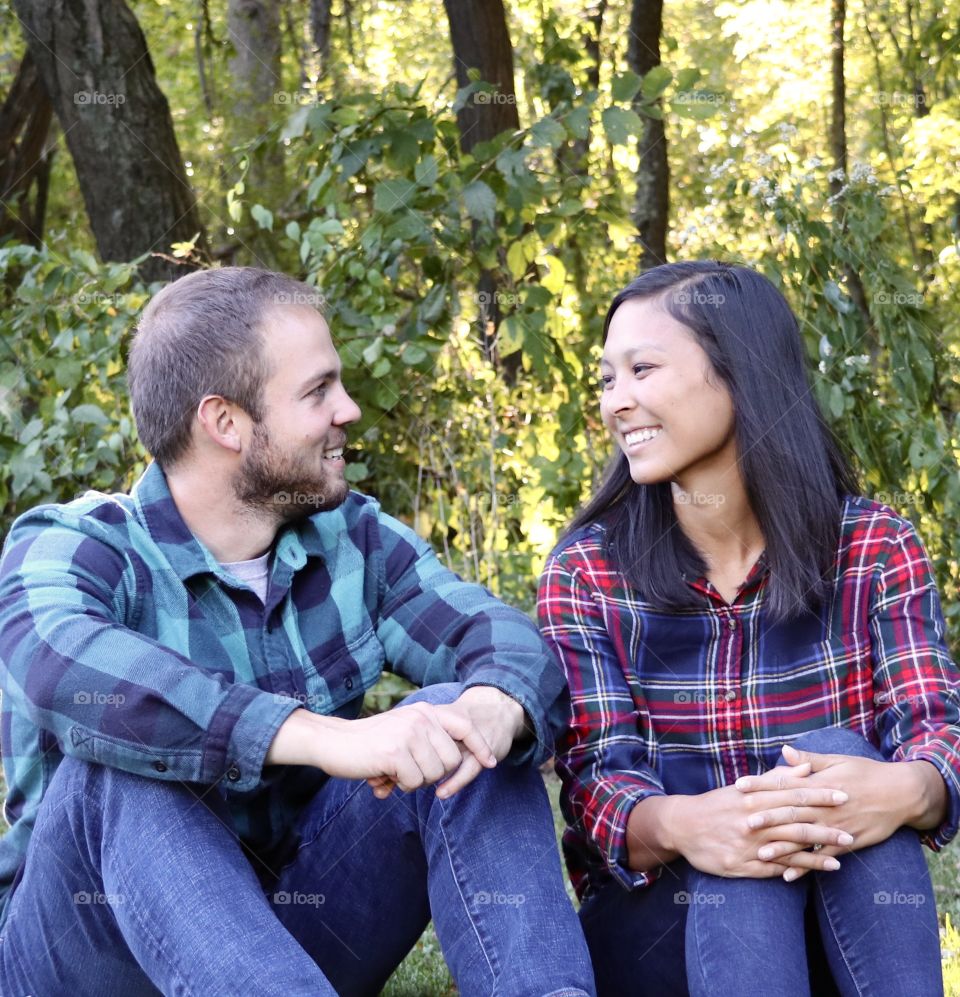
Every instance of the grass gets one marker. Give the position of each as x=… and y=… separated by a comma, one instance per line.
x=424, y=974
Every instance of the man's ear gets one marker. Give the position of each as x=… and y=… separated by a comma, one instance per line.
x=222, y=422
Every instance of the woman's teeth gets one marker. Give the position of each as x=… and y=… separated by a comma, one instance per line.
x=641, y=435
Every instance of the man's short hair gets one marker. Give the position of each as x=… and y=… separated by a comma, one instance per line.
x=203, y=335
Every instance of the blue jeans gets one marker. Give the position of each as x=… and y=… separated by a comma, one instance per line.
x=868, y=929
x=134, y=886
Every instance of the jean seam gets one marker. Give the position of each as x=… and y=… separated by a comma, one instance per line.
x=466, y=907
x=843, y=953
x=158, y=951
x=319, y=828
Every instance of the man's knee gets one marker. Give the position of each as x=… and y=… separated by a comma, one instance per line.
x=836, y=741
x=439, y=694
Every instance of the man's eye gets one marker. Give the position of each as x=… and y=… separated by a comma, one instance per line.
x=320, y=390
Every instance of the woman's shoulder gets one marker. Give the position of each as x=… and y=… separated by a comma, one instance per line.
x=869, y=523
x=586, y=545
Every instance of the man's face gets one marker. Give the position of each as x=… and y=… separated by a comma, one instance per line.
x=293, y=462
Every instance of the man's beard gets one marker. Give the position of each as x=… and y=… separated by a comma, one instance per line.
x=287, y=486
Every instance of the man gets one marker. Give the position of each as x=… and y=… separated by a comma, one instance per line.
x=195, y=806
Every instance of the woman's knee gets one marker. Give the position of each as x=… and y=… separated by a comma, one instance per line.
x=836, y=741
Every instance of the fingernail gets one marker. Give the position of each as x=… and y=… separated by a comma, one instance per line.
x=791, y=874
x=755, y=820
x=839, y=796
x=765, y=853
x=742, y=783
x=831, y=864
x=845, y=839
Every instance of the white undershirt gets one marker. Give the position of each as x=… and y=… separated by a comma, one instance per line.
x=255, y=572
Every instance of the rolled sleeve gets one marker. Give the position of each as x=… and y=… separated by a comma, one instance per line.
x=602, y=760
x=437, y=628
x=916, y=683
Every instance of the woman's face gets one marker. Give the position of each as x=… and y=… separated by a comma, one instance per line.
x=672, y=419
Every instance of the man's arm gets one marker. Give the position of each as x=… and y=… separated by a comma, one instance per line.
x=437, y=628
x=109, y=694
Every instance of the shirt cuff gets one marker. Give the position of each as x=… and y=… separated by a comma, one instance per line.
x=945, y=763
x=528, y=751
x=240, y=735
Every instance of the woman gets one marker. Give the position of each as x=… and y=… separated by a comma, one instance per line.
x=724, y=594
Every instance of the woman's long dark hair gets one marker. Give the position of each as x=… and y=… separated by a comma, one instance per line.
x=793, y=470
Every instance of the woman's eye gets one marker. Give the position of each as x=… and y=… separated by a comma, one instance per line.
x=320, y=390
x=641, y=368
x=604, y=382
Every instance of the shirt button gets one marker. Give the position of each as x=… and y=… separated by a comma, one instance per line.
x=233, y=773
x=729, y=695
x=160, y=767
x=732, y=624
x=348, y=683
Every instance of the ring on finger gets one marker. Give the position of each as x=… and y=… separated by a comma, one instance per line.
x=816, y=848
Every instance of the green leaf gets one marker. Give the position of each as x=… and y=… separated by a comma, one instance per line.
x=510, y=336
x=655, y=82
x=517, y=260
x=547, y=133
x=262, y=216
x=836, y=297
x=577, y=122
x=355, y=472
x=89, y=415
x=426, y=171
x=686, y=78
x=553, y=280
x=481, y=202
x=620, y=123
x=413, y=354
x=625, y=86
x=394, y=195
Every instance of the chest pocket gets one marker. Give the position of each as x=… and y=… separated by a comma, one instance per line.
x=344, y=676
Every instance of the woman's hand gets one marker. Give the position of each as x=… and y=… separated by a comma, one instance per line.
x=718, y=833
x=882, y=797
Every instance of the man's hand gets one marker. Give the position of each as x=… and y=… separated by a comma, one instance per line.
x=409, y=746
x=882, y=797
x=498, y=717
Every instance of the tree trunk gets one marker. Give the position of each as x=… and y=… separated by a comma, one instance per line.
x=254, y=30
x=320, y=29
x=24, y=156
x=481, y=41
x=652, y=203
x=93, y=61
x=838, y=151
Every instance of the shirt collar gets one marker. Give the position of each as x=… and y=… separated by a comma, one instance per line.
x=184, y=552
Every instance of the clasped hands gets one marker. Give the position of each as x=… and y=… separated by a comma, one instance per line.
x=449, y=744
x=768, y=825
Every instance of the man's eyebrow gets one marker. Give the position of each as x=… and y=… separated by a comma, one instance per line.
x=323, y=375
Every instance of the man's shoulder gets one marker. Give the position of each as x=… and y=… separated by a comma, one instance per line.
x=107, y=517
